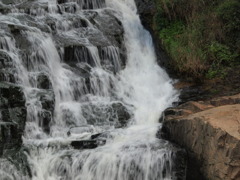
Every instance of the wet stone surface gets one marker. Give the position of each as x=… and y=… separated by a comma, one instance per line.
x=60, y=69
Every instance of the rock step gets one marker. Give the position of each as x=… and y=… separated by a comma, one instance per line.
x=8, y=75
x=210, y=132
x=86, y=4
x=87, y=144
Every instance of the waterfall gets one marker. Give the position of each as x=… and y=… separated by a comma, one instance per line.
x=94, y=91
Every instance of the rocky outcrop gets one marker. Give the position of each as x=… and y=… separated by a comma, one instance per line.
x=210, y=132
x=13, y=114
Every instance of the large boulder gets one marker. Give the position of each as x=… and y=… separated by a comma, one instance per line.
x=210, y=132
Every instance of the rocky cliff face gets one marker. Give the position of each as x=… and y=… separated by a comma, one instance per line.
x=13, y=114
x=26, y=29
x=59, y=64
x=210, y=132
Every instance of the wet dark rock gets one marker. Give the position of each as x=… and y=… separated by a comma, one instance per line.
x=45, y=120
x=16, y=29
x=7, y=75
x=32, y=22
x=86, y=5
x=20, y=37
x=31, y=25
x=13, y=115
x=77, y=54
x=64, y=40
x=3, y=102
x=82, y=59
x=95, y=36
x=180, y=163
x=33, y=7
x=18, y=157
x=13, y=94
x=44, y=81
x=108, y=29
x=5, y=60
x=14, y=162
x=192, y=93
x=111, y=58
x=4, y=9
x=115, y=114
x=93, y=33
x=87, y=144
x=68, y=7
x=83, y=69
x=7, y=2
x=110, y=26
x=170, y=111
x=18, y=115
x=94, y=136
x=179, y=156
x=122, y=114
x=8, y=133
x=47, y=99
x=62, y=1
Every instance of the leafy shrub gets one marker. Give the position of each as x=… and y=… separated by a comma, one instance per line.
x=202, y=37
x=221, y=54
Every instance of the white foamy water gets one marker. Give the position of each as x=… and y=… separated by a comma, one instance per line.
x=86, y=98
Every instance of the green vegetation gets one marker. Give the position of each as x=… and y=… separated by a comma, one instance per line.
x=202, y=37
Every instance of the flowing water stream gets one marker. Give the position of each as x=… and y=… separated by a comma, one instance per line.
x=85, y=84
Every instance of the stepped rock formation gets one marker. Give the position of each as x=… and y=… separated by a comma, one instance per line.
x=210, y=132
x=72, y=78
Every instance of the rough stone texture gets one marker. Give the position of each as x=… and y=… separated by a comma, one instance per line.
x=210, y=132
x=13, y=115
x=115, y=114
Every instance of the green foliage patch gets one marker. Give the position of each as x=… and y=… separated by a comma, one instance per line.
x=202, y=37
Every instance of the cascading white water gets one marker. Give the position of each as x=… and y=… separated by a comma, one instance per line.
x=86, y=106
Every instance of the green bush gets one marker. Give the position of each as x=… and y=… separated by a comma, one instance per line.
x=229, y=13
x=221, y=54
x=202, y=37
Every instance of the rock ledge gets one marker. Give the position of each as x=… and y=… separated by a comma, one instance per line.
x=210, y=132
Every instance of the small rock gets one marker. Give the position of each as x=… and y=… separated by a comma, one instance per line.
x=87, y=144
